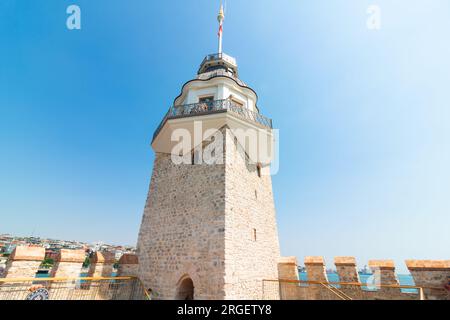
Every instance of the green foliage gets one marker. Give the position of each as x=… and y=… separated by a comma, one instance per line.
x=87, y=262
x=47, y=263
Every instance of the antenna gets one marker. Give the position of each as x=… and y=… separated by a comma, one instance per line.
x=220, y=18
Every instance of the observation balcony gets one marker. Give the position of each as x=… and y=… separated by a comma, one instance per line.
x=219, y=60
x=212, y=107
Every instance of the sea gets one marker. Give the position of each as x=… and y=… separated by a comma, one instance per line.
x=403, y=279
x=44, y=274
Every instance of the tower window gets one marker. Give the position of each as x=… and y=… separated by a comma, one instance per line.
x=206, y=103
x=254, y=234
x=206, y=99
x=258, y=170
x=237, y=103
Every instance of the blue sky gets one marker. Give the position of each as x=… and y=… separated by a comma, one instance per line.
x=363, y=116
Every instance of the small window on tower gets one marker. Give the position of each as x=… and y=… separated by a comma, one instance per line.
x=237, y=103
x=254, y=234
x=206, y=99
x=258, y=169
x=206, y=103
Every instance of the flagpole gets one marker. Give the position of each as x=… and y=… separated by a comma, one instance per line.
x=220, y=18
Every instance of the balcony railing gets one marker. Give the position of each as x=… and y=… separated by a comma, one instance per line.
x=317, y=290
x=98, y=288
x=220, y=56
x=211, y=107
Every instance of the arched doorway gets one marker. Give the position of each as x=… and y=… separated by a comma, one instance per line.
x=185, y=289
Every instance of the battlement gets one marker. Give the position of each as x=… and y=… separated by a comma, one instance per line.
x=68, y=280
x=24, y=262
x=431, y=278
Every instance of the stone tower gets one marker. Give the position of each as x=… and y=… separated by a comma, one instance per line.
x=209, y=228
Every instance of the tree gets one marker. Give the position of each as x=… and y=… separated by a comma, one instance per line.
x=87, y=262
x=47, y=263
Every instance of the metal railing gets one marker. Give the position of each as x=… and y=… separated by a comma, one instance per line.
x=218, y=56
x=98, y=288
x=210, y=107
x=316, y=290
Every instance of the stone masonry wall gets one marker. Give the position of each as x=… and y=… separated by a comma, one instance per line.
x=288, y=277
x=68, y=264
x=101, y=264
x=24, y=262
x=182, y=229
x=431, y=276
x=128, y=265
x=212, y=223
x=251, y=236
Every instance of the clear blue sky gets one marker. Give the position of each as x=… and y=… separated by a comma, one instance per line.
x=363, y=116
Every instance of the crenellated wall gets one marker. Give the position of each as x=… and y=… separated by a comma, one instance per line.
x=68, y=264
x=24, y=263
x=346, y=269
x=128, y=265
x=431, y=276
x=102, y=264
x=384, y=274
x=287, y=270
x=315, y=269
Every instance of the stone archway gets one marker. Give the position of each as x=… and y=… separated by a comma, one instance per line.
x=185, y=290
